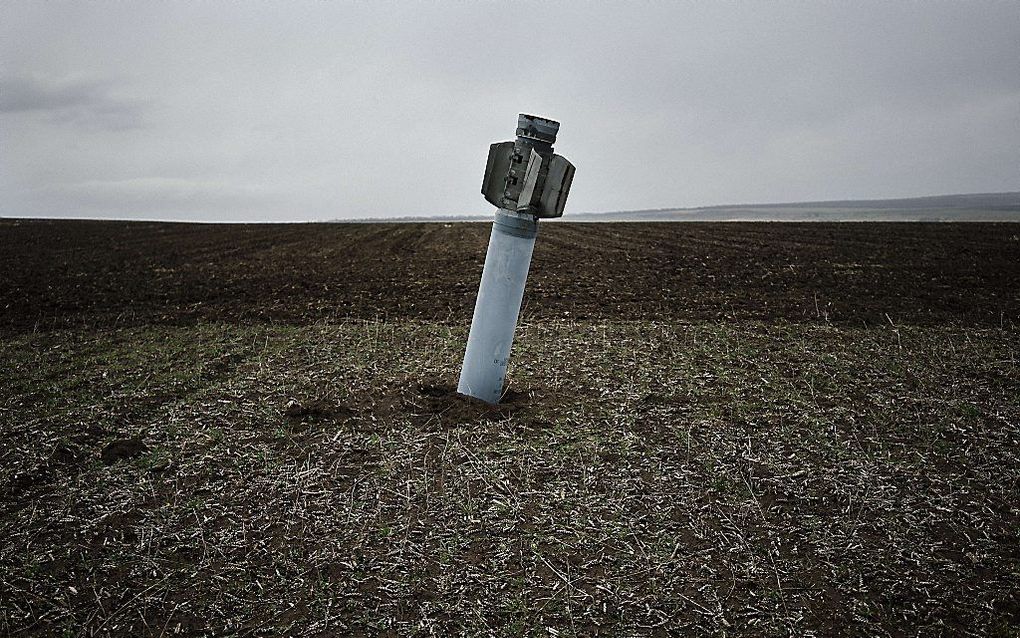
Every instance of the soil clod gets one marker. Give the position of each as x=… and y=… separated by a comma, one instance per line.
x=122, y=449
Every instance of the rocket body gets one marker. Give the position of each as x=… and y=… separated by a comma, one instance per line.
x=498, y=306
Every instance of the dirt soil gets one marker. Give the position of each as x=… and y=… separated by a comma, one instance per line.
x=708, y=429
x=94, y=274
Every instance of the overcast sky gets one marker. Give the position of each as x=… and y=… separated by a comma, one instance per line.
x=326, y=110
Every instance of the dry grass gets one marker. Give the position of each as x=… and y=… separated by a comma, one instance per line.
x=643, y=479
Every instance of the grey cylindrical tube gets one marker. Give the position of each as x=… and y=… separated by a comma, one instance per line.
x=498, y=305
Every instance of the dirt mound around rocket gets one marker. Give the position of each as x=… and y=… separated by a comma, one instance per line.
x=436, y=403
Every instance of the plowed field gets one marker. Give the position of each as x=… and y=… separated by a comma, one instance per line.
x=709, y=429
x=116, y=274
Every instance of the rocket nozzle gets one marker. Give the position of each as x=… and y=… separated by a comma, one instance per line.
x=537, y=128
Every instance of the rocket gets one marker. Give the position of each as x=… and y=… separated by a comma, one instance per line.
x=526, y=181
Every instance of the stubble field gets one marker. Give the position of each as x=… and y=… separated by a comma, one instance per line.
x=718, y=429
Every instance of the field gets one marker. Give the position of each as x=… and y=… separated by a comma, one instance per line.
x=709, y=429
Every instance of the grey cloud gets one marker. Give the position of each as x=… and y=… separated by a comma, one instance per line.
x=91, y=104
